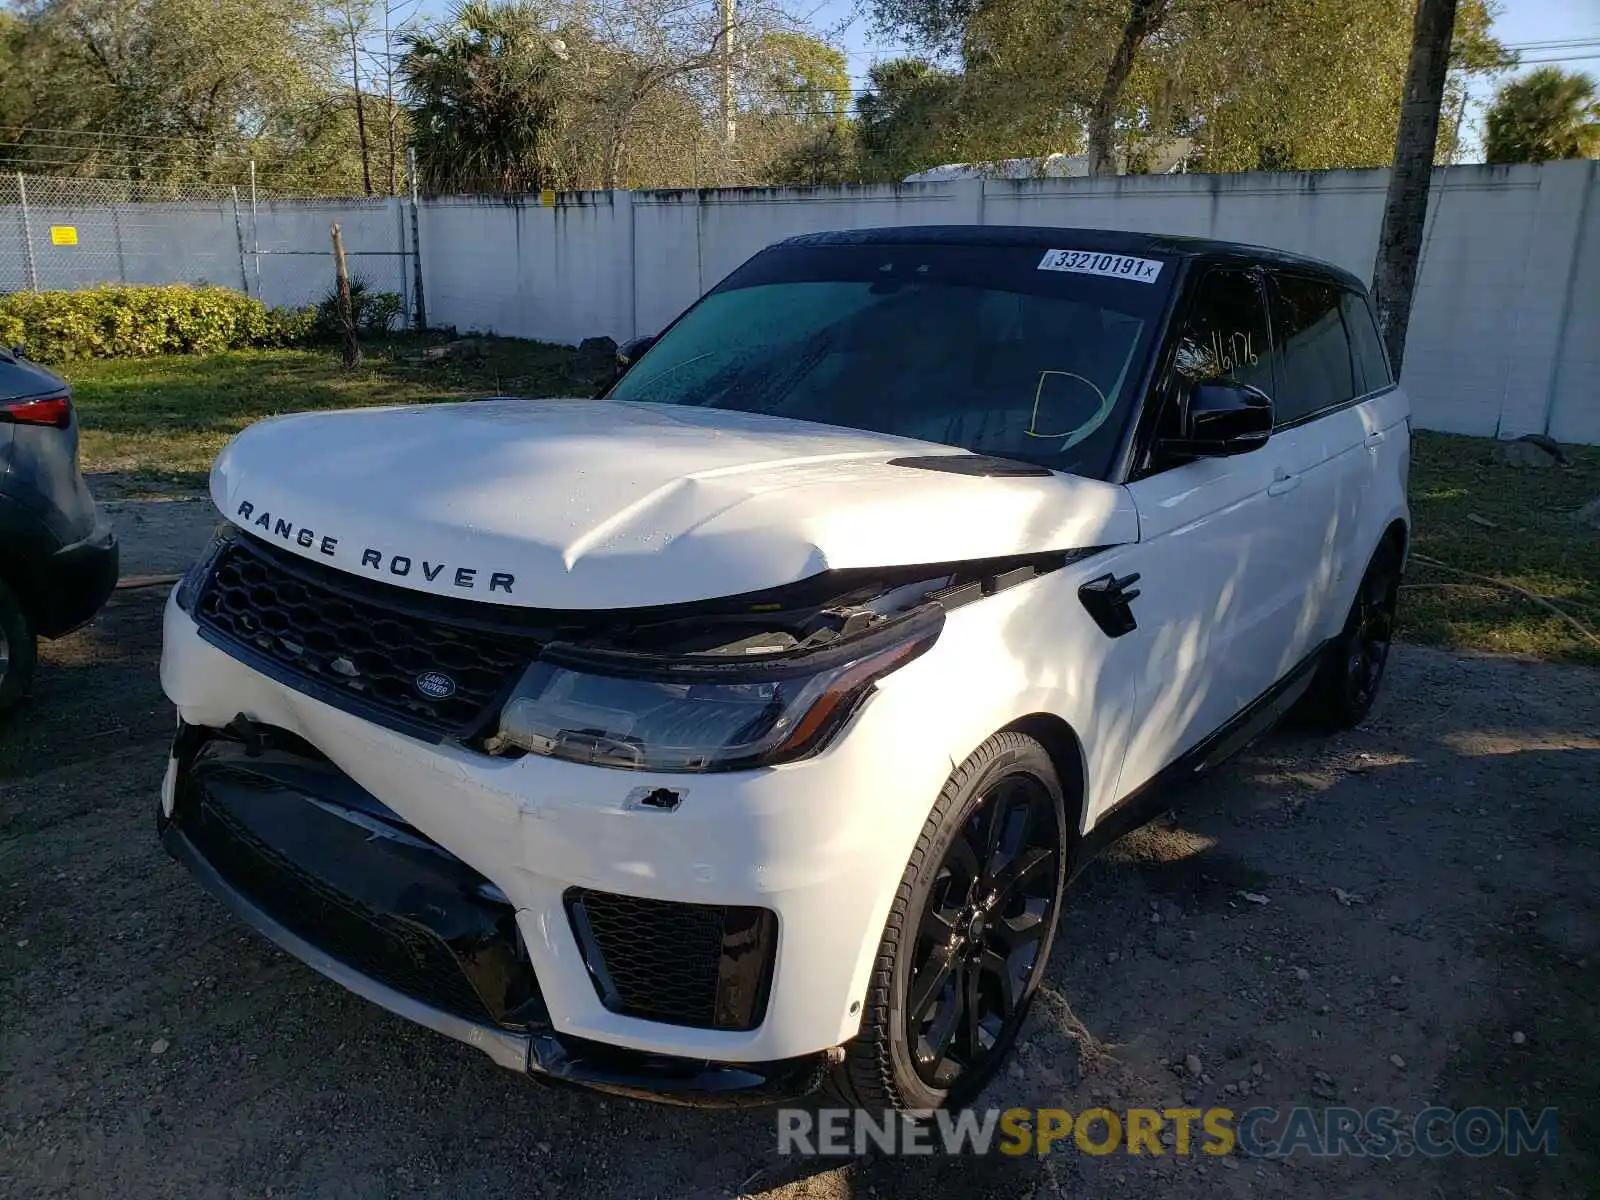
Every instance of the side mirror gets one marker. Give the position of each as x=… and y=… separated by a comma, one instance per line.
x=1221, y=419
x=628, y=353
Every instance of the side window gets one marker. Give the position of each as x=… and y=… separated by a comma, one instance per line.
x=1309, y=337
x=1225, y=335
x=1372, y=366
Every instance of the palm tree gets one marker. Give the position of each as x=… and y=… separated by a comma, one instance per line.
x=485, y=99
x=1547, y=114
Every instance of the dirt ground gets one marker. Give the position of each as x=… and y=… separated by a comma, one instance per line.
x=151, y=1046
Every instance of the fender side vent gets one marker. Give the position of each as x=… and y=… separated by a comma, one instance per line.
x=1109, y=601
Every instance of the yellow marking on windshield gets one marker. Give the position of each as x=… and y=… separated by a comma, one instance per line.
x=1078, y=432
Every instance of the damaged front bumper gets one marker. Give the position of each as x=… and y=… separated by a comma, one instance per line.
x=319, y=866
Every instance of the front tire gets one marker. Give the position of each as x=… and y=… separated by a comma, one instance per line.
x=968, y=936
x=17, y=650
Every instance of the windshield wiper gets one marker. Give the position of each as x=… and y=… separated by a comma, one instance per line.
x=751, y=390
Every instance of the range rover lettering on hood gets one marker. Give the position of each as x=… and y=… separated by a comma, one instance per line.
x=598, y=504
x=398, y=565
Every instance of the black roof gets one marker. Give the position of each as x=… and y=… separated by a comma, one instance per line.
x=1045, y=237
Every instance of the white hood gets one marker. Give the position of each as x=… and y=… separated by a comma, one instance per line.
x=582, y=504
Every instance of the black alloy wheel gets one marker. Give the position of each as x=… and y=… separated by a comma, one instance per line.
x=968, y=935
x=1353, y=664
x=17, y=652
x=981, y=936
x=1367, y=648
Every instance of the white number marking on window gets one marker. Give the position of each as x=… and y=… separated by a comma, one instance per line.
x=1090, y=262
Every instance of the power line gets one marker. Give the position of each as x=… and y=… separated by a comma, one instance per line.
x=1528, y=62
x=1554, y=43
x=114, y=149
x=197, y=139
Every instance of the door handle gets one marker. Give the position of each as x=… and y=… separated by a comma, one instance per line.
x=1374, y=439
x=1283, y=485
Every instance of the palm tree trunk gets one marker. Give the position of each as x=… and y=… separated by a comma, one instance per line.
x=1394, y=276
x=1144, y=18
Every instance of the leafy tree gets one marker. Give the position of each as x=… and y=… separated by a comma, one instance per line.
x=159, y=89
x=1302, y=85
x=13, y=94
x=486, y=100
x=1547, y=114
x=802, y=78
x=636, y=121
x=796, y=111
x=820, y=156
x=907, y=118
x=1294, y=84
x=1145, y=18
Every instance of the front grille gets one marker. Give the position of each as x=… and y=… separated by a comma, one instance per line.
x=393, y=951
x=702, y=965
x=344, y=642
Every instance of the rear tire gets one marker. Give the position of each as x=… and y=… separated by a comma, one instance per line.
x=1351, y=672
x=968, y=935
x=17, y=650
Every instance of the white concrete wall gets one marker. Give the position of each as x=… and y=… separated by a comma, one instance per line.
x=511, y=266
x=1505, y=336
x=1574, y=397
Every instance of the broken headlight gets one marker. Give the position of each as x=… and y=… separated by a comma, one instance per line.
x=192, y=580
x=702, y=712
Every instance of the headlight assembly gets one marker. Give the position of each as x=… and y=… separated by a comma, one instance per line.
x=702, y=712
x=192, y=580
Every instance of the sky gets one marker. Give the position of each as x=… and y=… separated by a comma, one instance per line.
x=1535, y=24
x=1521, y=23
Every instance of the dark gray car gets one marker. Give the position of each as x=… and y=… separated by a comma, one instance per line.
x=58, y=559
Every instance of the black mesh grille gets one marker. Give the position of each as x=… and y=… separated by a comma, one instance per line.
x=324, y=636
x=402, y=955
x=685, y=964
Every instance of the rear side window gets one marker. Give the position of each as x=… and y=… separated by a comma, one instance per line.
x=1366, y=348
x=19, y=379
x=1309, y=336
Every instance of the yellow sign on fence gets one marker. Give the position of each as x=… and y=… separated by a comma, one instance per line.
x=63, y=235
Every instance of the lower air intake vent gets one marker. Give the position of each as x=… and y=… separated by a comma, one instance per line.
x=702, y=965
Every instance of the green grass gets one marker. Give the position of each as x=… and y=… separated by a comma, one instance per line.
x=1530, y=540
x=168, y=417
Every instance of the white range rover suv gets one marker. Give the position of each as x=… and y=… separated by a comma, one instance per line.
x=737, y=732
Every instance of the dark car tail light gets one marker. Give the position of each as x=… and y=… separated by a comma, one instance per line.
x=55, y=411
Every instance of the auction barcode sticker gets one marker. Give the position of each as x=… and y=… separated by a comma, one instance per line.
x=1090, y=262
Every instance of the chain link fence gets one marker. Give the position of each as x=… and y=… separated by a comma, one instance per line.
x=71, y=233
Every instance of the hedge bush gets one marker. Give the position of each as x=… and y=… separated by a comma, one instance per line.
x=117, y=321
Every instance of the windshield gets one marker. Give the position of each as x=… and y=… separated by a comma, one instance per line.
x=986, y=348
